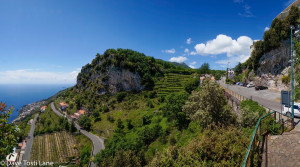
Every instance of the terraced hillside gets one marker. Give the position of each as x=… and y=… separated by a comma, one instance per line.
x=171, y=82
x=55, y=147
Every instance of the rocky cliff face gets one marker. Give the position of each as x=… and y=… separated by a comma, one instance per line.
x=273, y=82
x=118, y=79
x=114, y=80
x=276, y=60
x=273, y=66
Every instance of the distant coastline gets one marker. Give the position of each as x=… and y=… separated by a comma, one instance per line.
x=24, y=95
x=28, y=110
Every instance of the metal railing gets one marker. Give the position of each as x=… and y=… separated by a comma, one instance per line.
x=261, y=130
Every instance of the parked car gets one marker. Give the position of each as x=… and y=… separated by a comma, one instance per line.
x=238, y=83
x=288, y=110
x=251, y=84
x=244, y=84
x=260, y=87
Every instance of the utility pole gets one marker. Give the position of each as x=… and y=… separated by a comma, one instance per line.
x=227, y=77
x=292, y=74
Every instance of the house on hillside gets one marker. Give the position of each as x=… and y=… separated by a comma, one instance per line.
x=63, y=106
x=43, y=109
x=78, y=114
x=230, y=73
x=212, y=78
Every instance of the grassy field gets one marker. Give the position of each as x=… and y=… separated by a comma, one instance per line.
x=55, y=147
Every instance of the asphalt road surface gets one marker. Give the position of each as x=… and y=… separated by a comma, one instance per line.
x=98, y=143
x=30, y=137
x=268, y=98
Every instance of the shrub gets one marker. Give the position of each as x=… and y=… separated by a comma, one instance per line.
x=110, y=118
x=161, y=98
x=150, y=103
x=105, y=109
x=286, y=79
x=121, y=96
x=85, y=122
x=129, y=124
x=191, y=85
x=209, y=105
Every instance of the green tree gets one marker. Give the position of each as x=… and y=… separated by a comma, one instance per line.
x=120, y=124
x=173, y=108
x=238, y=69
x=127, y=158
x=204, y=69
x=209, y=105
x=121, y=96
x=293, y=16
x=85, y=155
x=8, y=139
x=129, y=124
x=72, y=127
x=215, y=147
x=191, y=85
x=96, y=113
x=85, y=122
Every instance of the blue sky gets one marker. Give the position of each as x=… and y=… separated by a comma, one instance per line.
x=49, y=41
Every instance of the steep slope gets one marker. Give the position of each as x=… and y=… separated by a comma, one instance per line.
x=181, y=65
x=121, y=70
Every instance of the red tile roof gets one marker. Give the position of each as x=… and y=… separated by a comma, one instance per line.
x=81, y=112
x=43, y=108
x=63, y=104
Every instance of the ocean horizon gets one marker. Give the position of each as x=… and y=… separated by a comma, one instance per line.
x=18, y=95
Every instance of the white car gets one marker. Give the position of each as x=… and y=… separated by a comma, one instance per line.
x=251, y=84
x=288, y=110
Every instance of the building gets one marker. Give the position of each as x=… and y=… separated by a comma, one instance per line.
x=82, y=112
x=63, y=106
x=78, y=114
x=212, y=78
x=230, y=73
x=286, y=11
x=30, y=122
x=43, y=109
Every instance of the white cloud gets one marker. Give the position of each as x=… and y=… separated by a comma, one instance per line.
x=224, y=44
x=247, y=12
x=267, y=28
x=189, y=41
x=236, y=50
x=172, y=51
x=233, y=60
x=191, y=66
x=193, y=63
x=28, y=76
x=186, y=50
x=179, y=59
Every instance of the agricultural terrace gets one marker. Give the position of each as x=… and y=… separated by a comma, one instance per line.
x=171, y=82
x=59, y=147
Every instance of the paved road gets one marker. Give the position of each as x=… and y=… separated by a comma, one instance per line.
x=98, y=143
x=30, y=137
x=267, y=98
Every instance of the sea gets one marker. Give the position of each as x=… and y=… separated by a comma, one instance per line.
x=18, y=95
